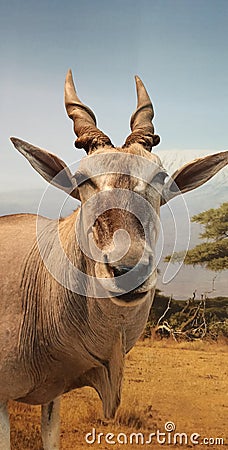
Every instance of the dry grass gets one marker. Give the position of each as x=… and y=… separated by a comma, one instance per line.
x=219, y=345
x=165, y=381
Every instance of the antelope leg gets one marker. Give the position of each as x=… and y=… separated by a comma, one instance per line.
x=4, y=428
x=50, y=425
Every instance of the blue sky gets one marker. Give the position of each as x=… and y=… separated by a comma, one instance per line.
x=178, y=47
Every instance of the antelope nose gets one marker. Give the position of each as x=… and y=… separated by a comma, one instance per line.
x=121, y=270
x=141, y=271
x=138, y=274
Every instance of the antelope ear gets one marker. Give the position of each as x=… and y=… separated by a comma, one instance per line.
x=49, y=166
x=193, y=175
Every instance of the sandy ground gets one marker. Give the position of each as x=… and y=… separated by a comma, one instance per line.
x=185, y=384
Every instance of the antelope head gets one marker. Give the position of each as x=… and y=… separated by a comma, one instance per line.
x=121, y=190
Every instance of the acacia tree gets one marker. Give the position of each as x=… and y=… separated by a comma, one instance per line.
x=213, y=253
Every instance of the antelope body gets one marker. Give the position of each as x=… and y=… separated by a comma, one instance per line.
x=62, y=329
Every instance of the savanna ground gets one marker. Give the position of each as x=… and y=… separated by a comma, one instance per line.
x=185, y=383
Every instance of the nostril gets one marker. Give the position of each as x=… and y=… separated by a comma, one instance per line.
x=139, y=271
x=142, y=270
x=121, y=270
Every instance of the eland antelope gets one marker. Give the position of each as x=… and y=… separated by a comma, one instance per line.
x=76, y=292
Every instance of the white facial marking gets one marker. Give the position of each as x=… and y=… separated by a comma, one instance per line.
x=107, y=188
x=140, y=187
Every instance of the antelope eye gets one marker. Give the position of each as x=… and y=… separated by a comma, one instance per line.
x=82, y=178
x=160, y=178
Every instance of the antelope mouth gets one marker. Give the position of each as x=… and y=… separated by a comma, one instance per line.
x=128, y=299
x=130, y=296
x=124, y=294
